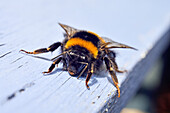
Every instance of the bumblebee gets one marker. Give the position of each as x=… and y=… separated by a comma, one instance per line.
x=83, y=53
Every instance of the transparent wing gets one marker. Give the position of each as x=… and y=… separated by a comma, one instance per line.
x=112, y=44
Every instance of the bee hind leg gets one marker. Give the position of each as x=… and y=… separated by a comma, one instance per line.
x=111, y=55
x=116, y=67
x=112, y=73
x=51, y=48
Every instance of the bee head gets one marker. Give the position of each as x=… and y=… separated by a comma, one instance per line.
x=75, y=69
x=75, y=65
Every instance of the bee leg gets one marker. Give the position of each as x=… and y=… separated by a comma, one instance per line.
x=64, y=65
x=83, y=69
x=53, y=65
x=116, y=67
x=112, y=55
x=112, y=73
x=44, y=50
x=89, y=74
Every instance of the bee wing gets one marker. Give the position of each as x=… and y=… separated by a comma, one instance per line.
x=70, y=31
x=112, y=44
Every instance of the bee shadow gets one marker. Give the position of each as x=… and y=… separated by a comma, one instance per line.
x=93, y=80
x=100, y=74
x=103, y=74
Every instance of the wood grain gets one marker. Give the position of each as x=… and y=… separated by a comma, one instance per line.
x=33, y=24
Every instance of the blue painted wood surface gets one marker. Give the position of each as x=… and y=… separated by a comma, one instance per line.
x=33, y=24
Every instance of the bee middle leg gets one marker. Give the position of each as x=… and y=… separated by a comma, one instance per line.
x=112, y=73
x=51, y=48
x=53, y=65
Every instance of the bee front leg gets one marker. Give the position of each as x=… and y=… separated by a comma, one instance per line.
x=53, y=65
x=51, y=48
x=64, y=65
x=83, y=69
x=89, y=74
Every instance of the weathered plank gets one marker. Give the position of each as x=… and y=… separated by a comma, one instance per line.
x=33, y=24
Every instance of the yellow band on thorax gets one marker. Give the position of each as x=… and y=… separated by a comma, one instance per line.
x=83, y=43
